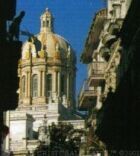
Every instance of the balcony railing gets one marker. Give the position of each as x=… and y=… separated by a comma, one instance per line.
x=96, y=72
x=87, y=96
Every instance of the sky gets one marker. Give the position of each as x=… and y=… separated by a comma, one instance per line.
x=72, y=20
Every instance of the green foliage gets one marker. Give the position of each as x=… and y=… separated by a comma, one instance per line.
x=63, y=137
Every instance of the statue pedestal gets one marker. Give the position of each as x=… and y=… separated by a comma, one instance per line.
x=21, y=125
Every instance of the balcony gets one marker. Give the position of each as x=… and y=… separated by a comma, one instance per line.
x=96, y=72
x=109, y=39
x=87, y=97
x=93, y=39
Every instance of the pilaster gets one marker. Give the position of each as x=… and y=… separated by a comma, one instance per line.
x=43, y=83
x=26, y=87
x=59, y=84
x=40, y=83
x=68, y=86
x=54, y=82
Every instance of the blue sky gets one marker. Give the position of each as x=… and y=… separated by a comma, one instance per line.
x=72, y=21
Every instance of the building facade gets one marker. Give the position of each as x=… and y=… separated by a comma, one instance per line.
x=103, y=53
x=47, y=72
x=119, y=126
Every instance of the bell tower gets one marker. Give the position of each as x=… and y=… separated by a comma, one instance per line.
x=46, y=21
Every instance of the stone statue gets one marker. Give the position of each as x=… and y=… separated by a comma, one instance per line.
x=44, y=134
x=64, y=100
x=48, y=138
x=14, y=27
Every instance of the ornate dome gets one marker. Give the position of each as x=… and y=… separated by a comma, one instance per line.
x=47, y=43
x=47, y=72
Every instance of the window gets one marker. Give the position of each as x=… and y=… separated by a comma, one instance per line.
x=117, y=10
x=48, y=84
x=62, y=84
x=23, y=86
x=35, y=86
x=44, y=23
x=47, y=23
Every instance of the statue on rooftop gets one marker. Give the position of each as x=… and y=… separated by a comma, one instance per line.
x=14, y=27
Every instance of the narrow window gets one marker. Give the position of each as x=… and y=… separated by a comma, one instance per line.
x=48, y=84
x=44, y=24
x=34, y=86
x=23, y=86
x=117, y=11
x=47, y=23
x=62, y=84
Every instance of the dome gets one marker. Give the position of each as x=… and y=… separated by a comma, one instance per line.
x=47, y=43
x=54, y=44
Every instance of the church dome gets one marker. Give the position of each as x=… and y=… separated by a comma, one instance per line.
x=54, y=44
x=47, y=72
x=47, y=43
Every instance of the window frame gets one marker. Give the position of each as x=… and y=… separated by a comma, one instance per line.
x=48, y=81
x=34, y=85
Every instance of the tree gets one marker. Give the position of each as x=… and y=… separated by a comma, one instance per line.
x=64, y=139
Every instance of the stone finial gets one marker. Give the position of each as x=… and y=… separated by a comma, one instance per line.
x=47, y=9
x=57, y=47
x=69, y=49
x=64, y=100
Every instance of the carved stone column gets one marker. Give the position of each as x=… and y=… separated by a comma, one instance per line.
x=68, y=86
x=26, y=85
x=54, y=83
x=59, y=84
x=43, y=83
x=20, y=87
x=40, y=83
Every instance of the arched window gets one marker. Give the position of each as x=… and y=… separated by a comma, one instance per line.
x=35, y=85
x=23, y=86
x=48, y=84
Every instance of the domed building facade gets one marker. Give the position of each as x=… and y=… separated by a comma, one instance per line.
x=47, y=72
